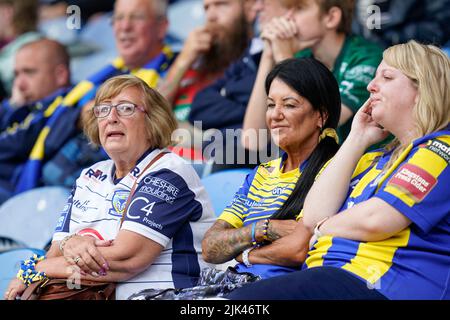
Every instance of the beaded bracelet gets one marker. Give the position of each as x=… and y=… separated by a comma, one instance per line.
x=27, y=272
x=265, y=229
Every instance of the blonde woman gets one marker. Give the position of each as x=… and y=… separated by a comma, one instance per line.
x=382, y=230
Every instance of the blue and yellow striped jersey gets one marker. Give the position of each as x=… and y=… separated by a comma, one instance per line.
x=264, y=191
x=415, y=262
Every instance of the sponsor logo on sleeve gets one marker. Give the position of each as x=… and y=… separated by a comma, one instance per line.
x=118, y=202
x=441, y=149
x=63, y=217
x=238, y=198
x=414, y=181
x=160, y=188
x=67, y=208
x=83, y=206
x=146, y=207
x=61, y=221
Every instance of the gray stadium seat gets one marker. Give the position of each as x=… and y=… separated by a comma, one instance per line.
x=29, y=218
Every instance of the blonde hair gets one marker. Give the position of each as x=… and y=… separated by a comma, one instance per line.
x=160, y=122
x=428, y=67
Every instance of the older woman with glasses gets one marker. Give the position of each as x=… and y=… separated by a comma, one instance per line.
x=138, y=219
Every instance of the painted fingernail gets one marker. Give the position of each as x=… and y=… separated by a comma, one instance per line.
x=102, y=272
x=105, y=266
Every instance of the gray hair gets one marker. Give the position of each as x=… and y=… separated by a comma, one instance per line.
x=160, y=8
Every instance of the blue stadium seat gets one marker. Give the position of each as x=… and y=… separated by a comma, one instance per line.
x=221, y=186
x=203, y=169
x=30, y=218
x=10, y=263
x=447, y=50
x=57, y=29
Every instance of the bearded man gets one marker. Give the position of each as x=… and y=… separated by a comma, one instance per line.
x=208, y=51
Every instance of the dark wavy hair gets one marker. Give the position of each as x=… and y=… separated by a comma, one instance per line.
x=313, y=81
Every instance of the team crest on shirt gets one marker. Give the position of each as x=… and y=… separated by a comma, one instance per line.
x=118, y=201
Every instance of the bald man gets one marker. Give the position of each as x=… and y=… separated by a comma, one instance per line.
x=41, y=71
x=41, y=67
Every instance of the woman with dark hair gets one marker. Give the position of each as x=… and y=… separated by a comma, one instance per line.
x=383, y=231
x=303, y=109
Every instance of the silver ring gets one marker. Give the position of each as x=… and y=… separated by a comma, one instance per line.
x=76, y=259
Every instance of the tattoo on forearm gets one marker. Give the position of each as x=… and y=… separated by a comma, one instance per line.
x=272, y=234
x=224, y=243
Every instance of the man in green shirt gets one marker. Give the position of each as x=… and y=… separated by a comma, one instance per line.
x=353, y=69
x=319, y=29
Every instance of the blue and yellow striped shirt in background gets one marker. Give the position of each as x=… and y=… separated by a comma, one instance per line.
x=415, y=262
x=264, y=191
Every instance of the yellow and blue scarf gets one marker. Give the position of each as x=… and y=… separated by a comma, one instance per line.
x=76, y=98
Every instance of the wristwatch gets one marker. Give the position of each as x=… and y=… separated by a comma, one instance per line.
x=245, y=257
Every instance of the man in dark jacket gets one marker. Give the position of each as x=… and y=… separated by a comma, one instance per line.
x=41, y=68
x=220, y=108
x=42, y=74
